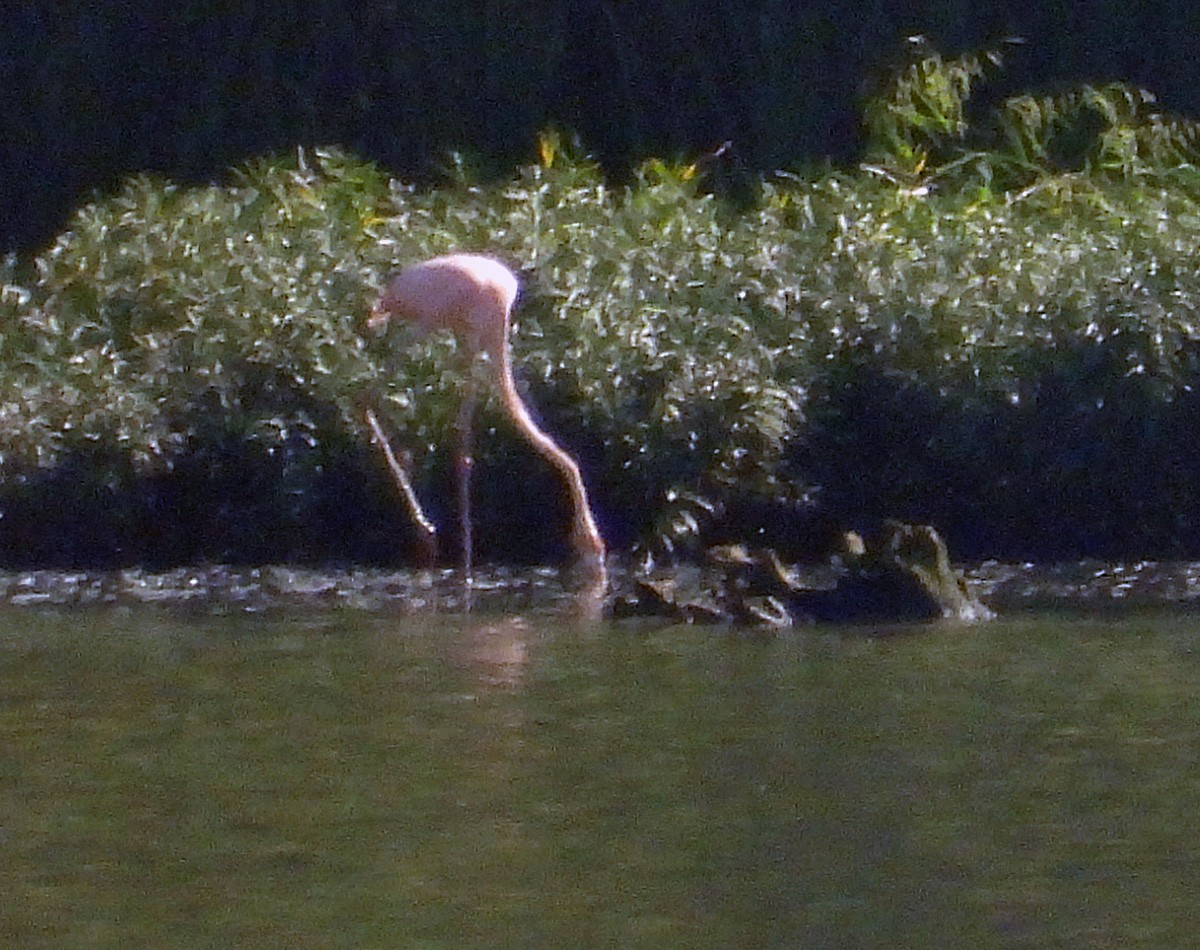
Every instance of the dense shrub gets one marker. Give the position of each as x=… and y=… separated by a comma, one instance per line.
x=172, y=324
x=977, y=338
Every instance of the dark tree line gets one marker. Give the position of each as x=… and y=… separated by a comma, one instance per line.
x=96, y=90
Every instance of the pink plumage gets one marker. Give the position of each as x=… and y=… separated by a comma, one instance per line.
x=473, y=296
x=469, y=294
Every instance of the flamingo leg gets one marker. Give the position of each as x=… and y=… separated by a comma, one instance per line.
x=426, y=531
x=464, y=463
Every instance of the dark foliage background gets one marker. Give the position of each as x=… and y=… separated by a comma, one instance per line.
x=96, y=90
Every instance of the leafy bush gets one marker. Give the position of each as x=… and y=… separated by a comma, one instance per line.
x=976, y=338
x=919, y=131
x=168, y=321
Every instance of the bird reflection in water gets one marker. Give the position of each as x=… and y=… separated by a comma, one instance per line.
x=496, y=652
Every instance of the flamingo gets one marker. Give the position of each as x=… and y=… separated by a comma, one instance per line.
x=472, y=296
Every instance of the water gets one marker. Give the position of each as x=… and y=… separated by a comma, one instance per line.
x=340, y=778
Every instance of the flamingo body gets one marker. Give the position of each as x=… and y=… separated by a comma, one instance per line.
x=463, y=293
x=473, y=296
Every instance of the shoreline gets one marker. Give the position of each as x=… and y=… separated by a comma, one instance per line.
x=1007, y=588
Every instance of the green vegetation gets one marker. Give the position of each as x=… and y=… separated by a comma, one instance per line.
x=992, y=327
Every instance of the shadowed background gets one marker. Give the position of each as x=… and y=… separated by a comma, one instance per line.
x=95, y=91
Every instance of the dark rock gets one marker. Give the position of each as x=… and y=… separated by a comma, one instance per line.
x=902, y=575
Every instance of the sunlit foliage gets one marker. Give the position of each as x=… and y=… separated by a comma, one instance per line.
x=929, y=333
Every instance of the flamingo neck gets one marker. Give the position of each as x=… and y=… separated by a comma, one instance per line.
x=585, y=536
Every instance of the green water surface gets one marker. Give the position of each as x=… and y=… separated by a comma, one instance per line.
x=343, y=779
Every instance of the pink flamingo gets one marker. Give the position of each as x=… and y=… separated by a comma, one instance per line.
x=473, y=297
